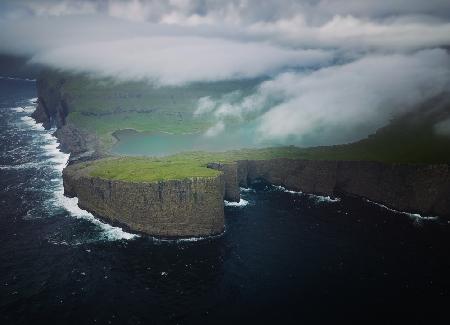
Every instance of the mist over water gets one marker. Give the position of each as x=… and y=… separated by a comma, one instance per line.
x=285, y=256
x=135, y=143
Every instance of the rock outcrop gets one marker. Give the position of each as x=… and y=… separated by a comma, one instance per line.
x=172, y=208
x=231, y=180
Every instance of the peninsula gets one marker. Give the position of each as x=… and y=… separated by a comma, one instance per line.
x=405, y=168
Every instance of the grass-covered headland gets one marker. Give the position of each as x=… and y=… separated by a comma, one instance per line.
x=193, y=164
x=102, y=107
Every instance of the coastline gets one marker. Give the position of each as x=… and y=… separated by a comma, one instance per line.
x=416, y=188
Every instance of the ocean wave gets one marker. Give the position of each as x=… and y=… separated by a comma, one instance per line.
x=283, y=189
x=317, y=198
x=108, y=232
x=241, y=203
x=29, y=121
x=18, y=79
x=58, y=161
x=413, y=216
x=28, y=165
x=23, y=109
x=188, y=239
x=326, y=199
x=246, y=190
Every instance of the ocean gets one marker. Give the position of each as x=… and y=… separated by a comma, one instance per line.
x=285, y=257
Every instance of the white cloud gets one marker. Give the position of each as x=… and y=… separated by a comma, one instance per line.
x=371, y=58
x=343, y=103
x=350, y=32
x=443, y=128
x=216, y=129
x=177, y=60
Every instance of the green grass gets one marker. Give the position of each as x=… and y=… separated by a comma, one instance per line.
x=392, y=145
x=102, y=106
x=150, y=170
x=179, y=166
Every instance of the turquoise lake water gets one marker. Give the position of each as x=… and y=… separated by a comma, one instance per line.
x=159, y=144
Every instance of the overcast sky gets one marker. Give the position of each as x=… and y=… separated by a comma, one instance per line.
x=337, y=69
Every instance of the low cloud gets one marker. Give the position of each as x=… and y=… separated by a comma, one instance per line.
x=443, y=128
x=335, y=70
x=216, y=129
x=342, y=103
x=174, y=60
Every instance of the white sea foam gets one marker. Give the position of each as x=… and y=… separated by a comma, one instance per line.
x=317, y=198
x=246, y=190
x=283, y=189
x=109, y=232
x=326, y=199
x=23, y=109
x=29, y=121
x=59, y=160
x=414, y=216
x=28, y=165
x=14, y=78
x=241, y=203
x=187, y=239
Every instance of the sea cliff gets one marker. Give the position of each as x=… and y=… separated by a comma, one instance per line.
x=194, y=206
x=171, y=208
x=52, y=110
x=421, y=188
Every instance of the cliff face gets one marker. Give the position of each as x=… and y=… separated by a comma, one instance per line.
x=231, y=180
x=174, y=208
x=53, y=106
x=406, y=187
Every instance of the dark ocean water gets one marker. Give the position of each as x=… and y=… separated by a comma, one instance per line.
x=284, y=258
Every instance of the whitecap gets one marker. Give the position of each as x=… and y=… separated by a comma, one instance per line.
x=58, y=161
x=317, y=198
x=28, y=120
x=187, y=239
x=109, y=232
x=413, y=216
x=28, y=165
x=19, y=79
x=283, y=189
x=324, y=199
x=246, y=190
x=241, y=203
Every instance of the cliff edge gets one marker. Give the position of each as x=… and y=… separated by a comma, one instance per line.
x=170, y=208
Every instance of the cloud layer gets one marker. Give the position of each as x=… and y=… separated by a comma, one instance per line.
x=337, y=69
x=338, y=104
x=176, y=60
